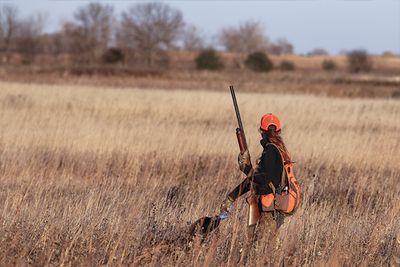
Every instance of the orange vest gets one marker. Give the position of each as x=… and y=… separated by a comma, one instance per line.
x=286, y=201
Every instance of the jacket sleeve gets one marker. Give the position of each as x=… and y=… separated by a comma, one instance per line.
x=264, y=173
x=246, y=170
x=241, y=189
x=244, y=186
x=245, y=165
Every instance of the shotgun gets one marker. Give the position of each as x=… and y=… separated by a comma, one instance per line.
x=239, y=131
x=252, y=200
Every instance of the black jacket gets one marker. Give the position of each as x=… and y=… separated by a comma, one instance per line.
x=269, y=169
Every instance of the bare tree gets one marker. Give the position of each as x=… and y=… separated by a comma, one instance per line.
x=57, y=44
x=91, y=32
x=149, y=29
x=8, y=28
x=248, y=37
x=192, y=39
x=53, y=44
x=359, y=61
x=28, y=36
x=287, y=47
x=318, y=52
x=281, y=46
x=76, y=42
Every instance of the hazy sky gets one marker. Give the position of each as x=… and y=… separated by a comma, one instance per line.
x=332, y=24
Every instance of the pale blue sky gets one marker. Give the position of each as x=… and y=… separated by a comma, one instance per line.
x=332, y=24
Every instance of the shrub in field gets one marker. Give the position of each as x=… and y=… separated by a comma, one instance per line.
x=209, y=60
x=359, y=61
x=259, y=61
x=113, y=56
x=287, y=65
x=328, y=64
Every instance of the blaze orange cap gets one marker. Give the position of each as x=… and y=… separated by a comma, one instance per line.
x=268, y=120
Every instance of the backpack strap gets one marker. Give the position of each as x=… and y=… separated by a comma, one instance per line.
x=283, y=177
x=271, y=185
x=274, y=211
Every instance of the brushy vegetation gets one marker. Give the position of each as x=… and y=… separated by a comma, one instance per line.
x=259, y=61
x=359, y=61
x=93, y=176
x=113, y=56
x=328, y=65
x=209, y=60
x=286, y=65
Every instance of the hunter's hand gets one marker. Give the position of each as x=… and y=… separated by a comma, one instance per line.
x=226, y=205
x=244, y=160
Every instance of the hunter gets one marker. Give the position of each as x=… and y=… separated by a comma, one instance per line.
x=265, y=178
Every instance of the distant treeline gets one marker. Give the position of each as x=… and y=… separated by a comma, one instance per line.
x=141, y=35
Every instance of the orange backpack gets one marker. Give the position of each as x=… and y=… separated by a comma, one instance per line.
x=287, y=199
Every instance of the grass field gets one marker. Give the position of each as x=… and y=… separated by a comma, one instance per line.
x=308, y=77
x=96, y=175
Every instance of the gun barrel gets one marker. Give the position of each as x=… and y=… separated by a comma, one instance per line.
x=236, y=108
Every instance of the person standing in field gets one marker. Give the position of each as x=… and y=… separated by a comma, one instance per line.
x=265, y=180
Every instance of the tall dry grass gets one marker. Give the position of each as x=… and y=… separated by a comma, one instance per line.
x=91, y=176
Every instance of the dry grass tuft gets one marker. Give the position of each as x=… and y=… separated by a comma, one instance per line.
x=92, y=176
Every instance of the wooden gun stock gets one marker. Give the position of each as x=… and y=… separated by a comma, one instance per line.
x=241, y=140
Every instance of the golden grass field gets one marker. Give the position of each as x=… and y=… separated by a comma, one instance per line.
x=93, y=175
